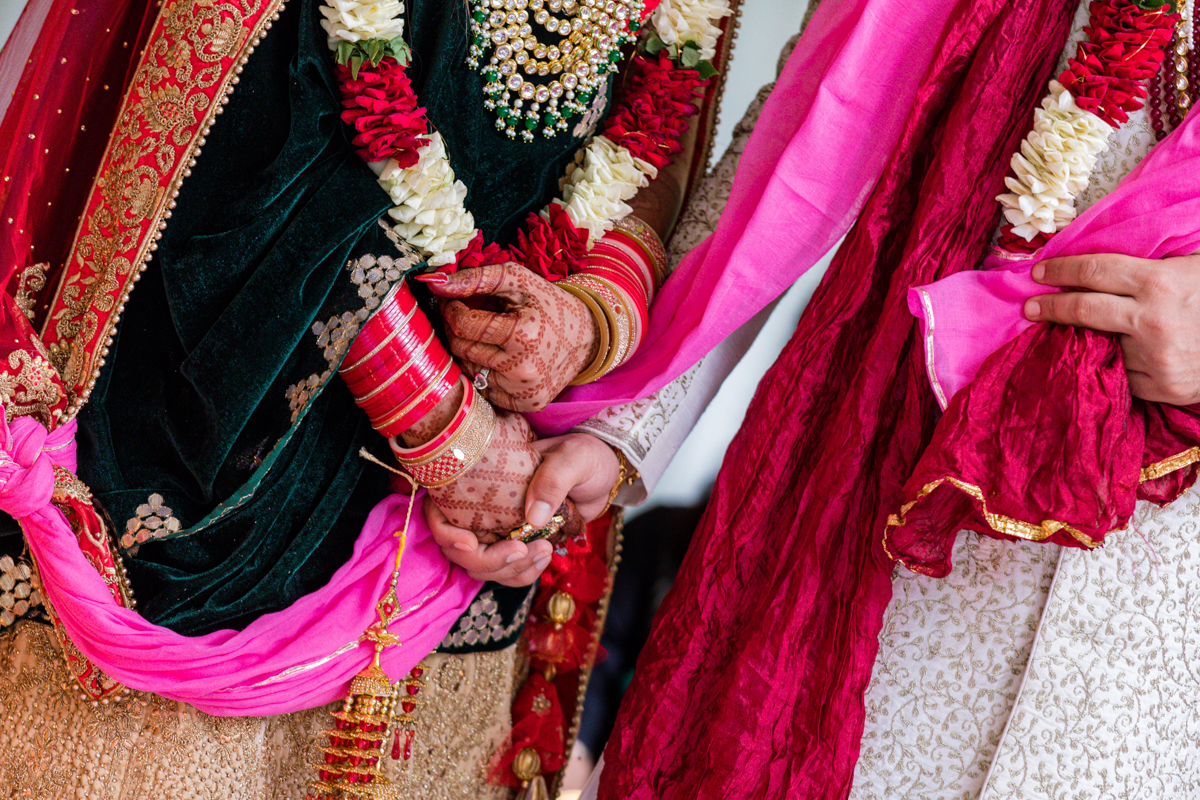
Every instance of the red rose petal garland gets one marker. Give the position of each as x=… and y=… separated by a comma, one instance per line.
x=1102, y=84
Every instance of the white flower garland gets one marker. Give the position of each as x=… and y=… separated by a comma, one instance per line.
x=1054, y=165
x=356, y=21
x=429, y=201
x=603, y=176
x=680, y=21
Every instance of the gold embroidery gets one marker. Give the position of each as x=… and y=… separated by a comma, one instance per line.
x=1019, y=528
x=30, y=281
x=997, y=522
x=29, y=386
x=181, y=83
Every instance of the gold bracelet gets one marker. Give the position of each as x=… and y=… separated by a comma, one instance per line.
x=460, y=452
x=626, y=477
x=593, y=370
x=650, y=242
x=616, y=312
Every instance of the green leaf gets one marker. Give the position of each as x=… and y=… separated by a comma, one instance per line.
x=344, y=51
x=399, y=50
x=673, y=52
x=654, y=45
x=689, y=57
x=356, y=62
x=706, y=69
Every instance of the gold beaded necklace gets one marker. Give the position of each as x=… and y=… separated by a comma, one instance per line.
x=532, y=83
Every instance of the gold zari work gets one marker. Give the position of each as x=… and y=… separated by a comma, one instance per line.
x=54, y=744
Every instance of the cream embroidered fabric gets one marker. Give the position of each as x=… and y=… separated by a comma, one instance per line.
x=54, y=744
x=1111, y=702
x=951, y=655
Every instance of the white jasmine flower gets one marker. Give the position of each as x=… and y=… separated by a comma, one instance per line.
x=355, y=20
x=429, y=203
x=597, y=185
x=679, y=21
x=1054, y=165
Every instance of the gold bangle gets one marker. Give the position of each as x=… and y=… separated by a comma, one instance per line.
x=650, y=242
x=616, y=311
x=626, y=477
x=593, y=370
x=461, y=452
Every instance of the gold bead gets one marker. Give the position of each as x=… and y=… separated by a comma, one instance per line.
x=527, y=765
x=561, y=608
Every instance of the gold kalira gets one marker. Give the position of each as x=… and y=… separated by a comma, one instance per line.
x=374, y=710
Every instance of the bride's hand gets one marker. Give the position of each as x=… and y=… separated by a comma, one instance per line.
x=533, y=338
x=489, y=498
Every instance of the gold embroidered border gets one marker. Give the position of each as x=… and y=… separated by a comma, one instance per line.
x=1018, y=528
x=1172, y=464
x=997, y=522
x=184, y=76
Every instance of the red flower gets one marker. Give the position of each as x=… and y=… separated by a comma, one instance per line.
x=382, y=107
x=1015, y=244
x=652, y=113
x=554, y=247
x=1124, y=48
x=476, y=254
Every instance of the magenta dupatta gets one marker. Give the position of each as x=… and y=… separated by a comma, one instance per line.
x=1084, y=451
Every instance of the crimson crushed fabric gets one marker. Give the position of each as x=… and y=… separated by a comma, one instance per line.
x=751, y=685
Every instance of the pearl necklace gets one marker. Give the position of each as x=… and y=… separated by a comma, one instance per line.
x=572, y=69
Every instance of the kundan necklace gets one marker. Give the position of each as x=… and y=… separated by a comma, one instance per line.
x=558, y=79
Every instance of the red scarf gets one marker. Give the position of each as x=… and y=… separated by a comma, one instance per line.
x=752, y=683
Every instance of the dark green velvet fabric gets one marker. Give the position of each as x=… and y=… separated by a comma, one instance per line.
x=192, y=405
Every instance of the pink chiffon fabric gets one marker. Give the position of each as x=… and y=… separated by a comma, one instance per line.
x=802, y=180
x=289, y=660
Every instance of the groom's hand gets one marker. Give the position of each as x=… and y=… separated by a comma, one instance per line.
x=1153, y=307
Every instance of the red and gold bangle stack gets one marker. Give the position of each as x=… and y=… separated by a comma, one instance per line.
x=455, y=450
x=396, y=368
x=621, y=274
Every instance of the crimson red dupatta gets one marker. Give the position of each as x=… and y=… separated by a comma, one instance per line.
x=751, y=685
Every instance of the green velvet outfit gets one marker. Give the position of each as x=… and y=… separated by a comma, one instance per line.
x=194, y=404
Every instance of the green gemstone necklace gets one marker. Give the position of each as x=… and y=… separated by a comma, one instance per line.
x=530, y=83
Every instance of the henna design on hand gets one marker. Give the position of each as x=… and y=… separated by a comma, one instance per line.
x=534, y=347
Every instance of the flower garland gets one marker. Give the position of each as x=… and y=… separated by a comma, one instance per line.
x=393, y=136
x=1105, y=81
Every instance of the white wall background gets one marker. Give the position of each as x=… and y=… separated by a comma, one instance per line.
x=765, y=26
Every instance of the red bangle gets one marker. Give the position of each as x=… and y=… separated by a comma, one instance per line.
x=374, y=343
x=405, y=417
x=616, y=246
x=384, y=366
x=433, y=445
x=408, y=385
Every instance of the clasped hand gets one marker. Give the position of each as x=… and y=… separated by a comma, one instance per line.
x=1153, y=307
x=534, y=338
